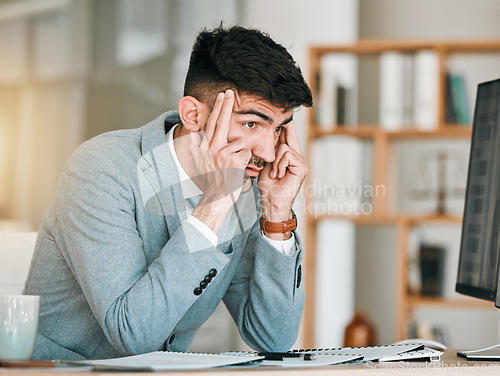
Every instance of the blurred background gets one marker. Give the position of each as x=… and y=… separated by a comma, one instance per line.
x=72, y=69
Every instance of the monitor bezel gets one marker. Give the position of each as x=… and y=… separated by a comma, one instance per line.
x=475, y=292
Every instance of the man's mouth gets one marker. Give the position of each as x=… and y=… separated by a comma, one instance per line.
x=253, y=171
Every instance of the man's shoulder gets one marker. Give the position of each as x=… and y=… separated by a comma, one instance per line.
x=119, y=148
x=124, y=144
x=133, y=142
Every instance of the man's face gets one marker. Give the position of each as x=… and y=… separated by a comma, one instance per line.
x=260, y=124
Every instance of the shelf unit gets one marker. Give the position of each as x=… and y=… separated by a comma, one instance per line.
x=382, y=140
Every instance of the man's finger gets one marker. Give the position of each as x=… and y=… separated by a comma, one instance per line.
x=224, y=118
x=200, y=152
x=292, y=163
x=291, y=137
x=282, y=149
x=214, y=115
x=235, y=146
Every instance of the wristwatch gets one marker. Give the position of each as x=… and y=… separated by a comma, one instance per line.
x=279, y=227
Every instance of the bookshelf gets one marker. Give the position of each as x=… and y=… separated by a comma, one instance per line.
x=382, y=141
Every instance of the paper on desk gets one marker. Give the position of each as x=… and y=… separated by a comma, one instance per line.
x=320, y=360
x=164, y=361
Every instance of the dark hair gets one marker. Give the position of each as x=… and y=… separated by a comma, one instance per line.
x=248, y=61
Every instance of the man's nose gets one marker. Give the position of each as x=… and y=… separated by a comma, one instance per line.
x=264, y=147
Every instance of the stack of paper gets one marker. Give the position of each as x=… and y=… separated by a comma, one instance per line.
x=168, y=360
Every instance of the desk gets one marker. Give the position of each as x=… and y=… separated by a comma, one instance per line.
x=450, y=364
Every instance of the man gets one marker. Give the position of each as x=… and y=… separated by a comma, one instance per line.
x=151, y=228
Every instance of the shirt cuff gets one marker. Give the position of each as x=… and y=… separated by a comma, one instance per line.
x=204, y=229
x=287, y=247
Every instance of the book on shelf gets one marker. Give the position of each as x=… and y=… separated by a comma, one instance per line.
x=457, y=107
x=396, y=90
x=327, y=100
x=342, y=97
x=409, y=90
x=450, y=112
x=335, y=96
x=425, y=267
x=426, y=77
x=431, y=259
x=333, y=101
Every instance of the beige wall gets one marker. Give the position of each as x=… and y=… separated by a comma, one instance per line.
x=429, y=18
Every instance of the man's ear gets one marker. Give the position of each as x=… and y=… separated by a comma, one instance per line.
x=193, y=113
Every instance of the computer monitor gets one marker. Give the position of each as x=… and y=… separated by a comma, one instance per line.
x=478, y=266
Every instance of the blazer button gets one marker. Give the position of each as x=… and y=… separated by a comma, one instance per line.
x=203, y=285
x=212, y=273
x=197, y=291
x=208, y=279
x=172, y=337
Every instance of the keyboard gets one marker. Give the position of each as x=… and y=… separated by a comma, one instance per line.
x=386, y=353
x=424, y=354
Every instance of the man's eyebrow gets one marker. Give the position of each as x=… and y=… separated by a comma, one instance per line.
x=262, y=116
x=255, y=112
x=287, y=120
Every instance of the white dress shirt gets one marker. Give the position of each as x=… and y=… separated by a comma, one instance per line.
x=190, y=190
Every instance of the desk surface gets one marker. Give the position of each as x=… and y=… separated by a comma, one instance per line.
x=450, y=364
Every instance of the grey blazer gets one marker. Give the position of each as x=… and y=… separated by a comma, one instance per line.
x=118, y=267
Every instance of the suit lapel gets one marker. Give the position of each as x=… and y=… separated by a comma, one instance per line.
x=158, y=177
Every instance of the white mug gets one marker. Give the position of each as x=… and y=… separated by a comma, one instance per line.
x=18, y=326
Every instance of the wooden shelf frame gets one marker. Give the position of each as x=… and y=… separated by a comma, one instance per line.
x=382, y=140
x=374, y=219
x=370, y=131
x=417, y=301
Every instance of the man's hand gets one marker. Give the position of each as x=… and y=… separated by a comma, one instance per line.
x=280, y=181
x=221, y=165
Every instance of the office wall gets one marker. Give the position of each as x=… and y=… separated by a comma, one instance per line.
x=429, y=19
x=424, y=19
x=129, y=87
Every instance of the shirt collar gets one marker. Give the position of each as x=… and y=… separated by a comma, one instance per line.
x=189, y=188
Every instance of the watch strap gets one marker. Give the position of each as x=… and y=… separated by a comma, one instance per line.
x=279, y=227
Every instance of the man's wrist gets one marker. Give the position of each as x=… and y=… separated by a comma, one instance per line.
x=277, y=214
x=212, y=213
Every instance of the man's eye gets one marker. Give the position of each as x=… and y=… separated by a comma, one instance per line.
x=278, y=129
x=250, y=124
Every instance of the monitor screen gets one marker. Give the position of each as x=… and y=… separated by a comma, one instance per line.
x=479, y=250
